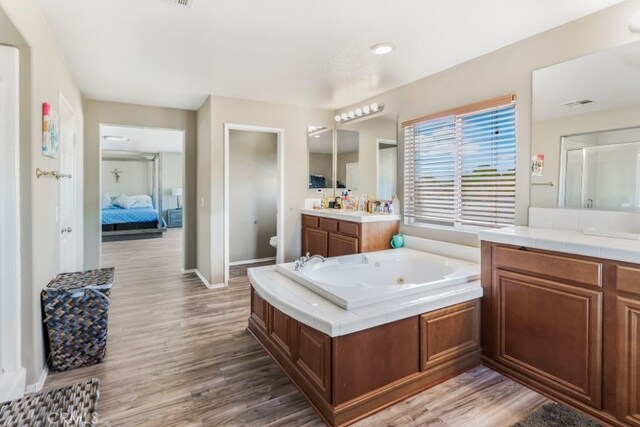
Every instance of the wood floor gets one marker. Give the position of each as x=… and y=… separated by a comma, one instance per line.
x=178, y=355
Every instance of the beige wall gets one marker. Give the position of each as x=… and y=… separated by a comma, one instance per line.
x=504, y=71
x=294, y=121
x=113, y=113
x=203, y=166
x=43, y=76
x=546, y=137
x=253, y=180
x=322, y=164
x=135, y=179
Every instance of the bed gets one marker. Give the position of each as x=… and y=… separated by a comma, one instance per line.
x=131, y=224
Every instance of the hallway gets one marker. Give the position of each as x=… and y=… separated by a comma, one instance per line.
x=178, y=354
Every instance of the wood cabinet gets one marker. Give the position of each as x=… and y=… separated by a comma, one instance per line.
x=349, y=377
x=566, y=325
x=331, y=237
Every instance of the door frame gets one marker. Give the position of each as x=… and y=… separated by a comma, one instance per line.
x=280, y=190
x=12, y=374
x=78, y=197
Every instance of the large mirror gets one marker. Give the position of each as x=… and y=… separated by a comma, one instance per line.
x=367, y=156
x=320, y=149
x=586, y=132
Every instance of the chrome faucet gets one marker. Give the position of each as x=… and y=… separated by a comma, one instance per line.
x=303, y=260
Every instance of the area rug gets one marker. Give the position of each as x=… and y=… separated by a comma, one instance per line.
x=74, y=405
x=556, y=415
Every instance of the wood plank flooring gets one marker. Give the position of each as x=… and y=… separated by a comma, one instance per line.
x=178, y=355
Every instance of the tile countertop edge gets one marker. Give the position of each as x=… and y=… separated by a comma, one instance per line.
x=353, y=216
x=567, y=241
x=301, y=308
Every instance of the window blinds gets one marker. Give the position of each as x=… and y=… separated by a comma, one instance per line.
x=460, y=166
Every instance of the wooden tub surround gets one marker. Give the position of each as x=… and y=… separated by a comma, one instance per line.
x=349, y=377
x=565, y=325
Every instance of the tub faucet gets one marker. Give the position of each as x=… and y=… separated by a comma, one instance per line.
x=303, y=260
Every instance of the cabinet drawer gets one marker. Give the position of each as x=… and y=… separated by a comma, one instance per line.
x=627, y=279
x=555, y=266
x=328, y=224
x=310, y=221
x=349, y=228
x=342, y=245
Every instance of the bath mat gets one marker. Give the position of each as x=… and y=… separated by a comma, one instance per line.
x=556, y=415
x=72, y=405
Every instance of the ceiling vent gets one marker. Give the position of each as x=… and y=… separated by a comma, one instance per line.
x=578, y=103
x=185, y=4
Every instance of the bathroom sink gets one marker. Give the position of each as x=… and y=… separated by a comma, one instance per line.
x=609, y=233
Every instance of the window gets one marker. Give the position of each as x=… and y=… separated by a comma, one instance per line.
x=460, y=166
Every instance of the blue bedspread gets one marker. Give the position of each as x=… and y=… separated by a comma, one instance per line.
x=114, y=215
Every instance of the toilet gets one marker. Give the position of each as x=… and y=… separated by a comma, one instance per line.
x=274, y=241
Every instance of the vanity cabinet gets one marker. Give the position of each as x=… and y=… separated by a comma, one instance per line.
x=348, y=377
x=335, y=237
x=568, y=326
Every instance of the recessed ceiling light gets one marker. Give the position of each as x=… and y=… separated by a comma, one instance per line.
x=382, y=48
x=116, y=138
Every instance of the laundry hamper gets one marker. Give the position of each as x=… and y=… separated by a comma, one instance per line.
x=76, y=308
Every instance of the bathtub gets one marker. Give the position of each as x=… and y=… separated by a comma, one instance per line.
x=354, y=281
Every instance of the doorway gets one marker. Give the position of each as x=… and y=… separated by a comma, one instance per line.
x=141, y=190
x=253, y=168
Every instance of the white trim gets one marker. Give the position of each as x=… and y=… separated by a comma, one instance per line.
x=206, y=282
x=280, y=200
x=34, y=388
x=253, y=261
x=189, y=271
x=12, y=385
x=11, y=370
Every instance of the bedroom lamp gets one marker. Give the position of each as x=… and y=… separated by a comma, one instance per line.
x=177, y=192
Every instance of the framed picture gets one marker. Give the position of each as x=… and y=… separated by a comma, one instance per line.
x=537, y=165
x=50, y=131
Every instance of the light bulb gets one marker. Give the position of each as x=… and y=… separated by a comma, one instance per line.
x=375, y=107
x=337, y=117
x=351, y=114
x=344, y=116
x=366, y=109
x=358, y=112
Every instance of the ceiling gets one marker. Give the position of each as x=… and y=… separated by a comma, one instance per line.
x=313, y=53
x=608, y=78
x=141, y=140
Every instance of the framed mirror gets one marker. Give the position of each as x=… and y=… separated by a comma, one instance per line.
x=367, y=156
x=320, y=157
x=586, y=132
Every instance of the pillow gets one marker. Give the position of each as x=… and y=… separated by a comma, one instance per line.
x=142, y=201
x=124, y=201
x=106, y=201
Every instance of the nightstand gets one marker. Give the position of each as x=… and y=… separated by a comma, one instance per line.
x=174, y=218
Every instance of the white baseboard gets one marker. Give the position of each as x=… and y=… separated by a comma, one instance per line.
x=12, y=385
x=206, y=282
x=253, y=261
x=189, y=271
x=34, y=388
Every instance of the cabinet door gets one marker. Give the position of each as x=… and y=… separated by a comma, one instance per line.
x=342, y=245
x=312, y=357
x=551, y=332
x=315, y=241
x=259, y=310
x=281, y=331
x=628, y=384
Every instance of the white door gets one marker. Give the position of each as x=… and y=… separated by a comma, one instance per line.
x=353, y=176
x=387, y=173
x=68, y=224
x=12, y=375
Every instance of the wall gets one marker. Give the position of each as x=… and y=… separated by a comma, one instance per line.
x=135, y=179
x=171, y=167
x=507, y=70
x=546, y=137
x=203, y=173
x=43, y=76
x=253, y=180
x=113, y=113
x=322, y=164
x=294, y=121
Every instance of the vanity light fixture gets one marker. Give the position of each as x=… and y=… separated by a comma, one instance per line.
x=116, y=138
x=359, y=112
x=382, y=48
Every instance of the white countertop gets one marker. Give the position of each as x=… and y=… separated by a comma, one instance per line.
x=568, y=241
x=318, y=313
x=353, y=216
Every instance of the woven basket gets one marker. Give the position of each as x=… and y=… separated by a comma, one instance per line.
x=76, y=308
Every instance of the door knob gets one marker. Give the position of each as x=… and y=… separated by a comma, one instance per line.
x=66, y=230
